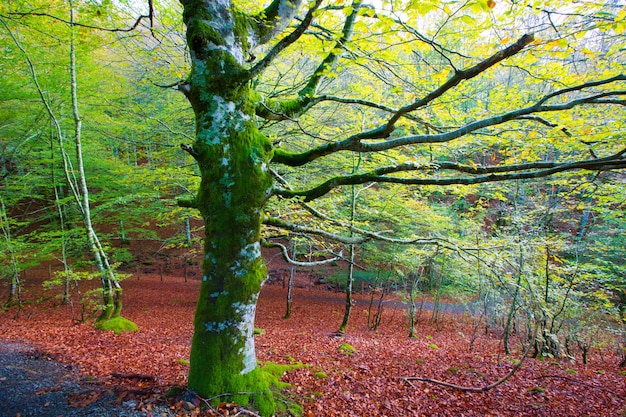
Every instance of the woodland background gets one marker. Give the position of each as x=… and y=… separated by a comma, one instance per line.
x=537, y=264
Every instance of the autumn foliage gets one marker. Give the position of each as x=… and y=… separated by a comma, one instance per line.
x=364, y=381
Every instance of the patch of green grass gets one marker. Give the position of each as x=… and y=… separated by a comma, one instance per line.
x=433, y=346
x=258, y=331
x=183, y=362
x=571, y=371
x=321, y=375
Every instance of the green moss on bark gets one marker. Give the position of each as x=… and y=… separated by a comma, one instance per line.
x=233, y=158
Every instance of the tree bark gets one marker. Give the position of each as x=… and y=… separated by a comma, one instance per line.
x=111, y=289
x=233, y=158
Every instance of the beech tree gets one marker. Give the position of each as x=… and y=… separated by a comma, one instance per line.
x=235, y=159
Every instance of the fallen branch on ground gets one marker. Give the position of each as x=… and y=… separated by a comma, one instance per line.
x=576, y=381
x=142, y=377
x=485, y=388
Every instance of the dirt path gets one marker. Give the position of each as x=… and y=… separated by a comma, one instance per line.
x=33, y=384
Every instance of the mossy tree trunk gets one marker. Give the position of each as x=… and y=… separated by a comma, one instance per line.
x=233, y=157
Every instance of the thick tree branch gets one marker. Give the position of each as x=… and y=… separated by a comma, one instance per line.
x=275, y=18
x=461, y=75
x=483, y=174
x=354, y=143
x=285, y=42
x=346, y=33
x=281, y=109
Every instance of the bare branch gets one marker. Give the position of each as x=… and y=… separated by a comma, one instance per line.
x=373, y=105
x=485, y=388
x=149, y=16
x=275, y=222
x=287, y=259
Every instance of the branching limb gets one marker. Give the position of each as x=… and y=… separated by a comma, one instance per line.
x=346, y=33
x=149, y=16
x=355, y=144
x=275, y=222
x=373, y=105
x=545, y=123
x=364, y=235
x=287, y=259
x=288, y=108
x=189, y=149
x=274, y=19
x=460, y=75
x=487, y=174
x=285, y=42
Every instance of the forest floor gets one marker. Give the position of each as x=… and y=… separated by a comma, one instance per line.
x=52, y=366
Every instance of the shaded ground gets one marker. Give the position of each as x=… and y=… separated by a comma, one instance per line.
x=364, y=382
x=32, y=384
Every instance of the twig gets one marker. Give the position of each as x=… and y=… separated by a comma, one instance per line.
x=142, y=377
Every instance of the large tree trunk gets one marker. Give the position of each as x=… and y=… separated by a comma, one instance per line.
x=233, y=158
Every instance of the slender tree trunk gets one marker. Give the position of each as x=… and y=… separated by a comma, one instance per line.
x=292, y=273
x=65, y=298
x=350, y=279
x=349, y=285
x=188, y=231
x=112, y=291
x=15, y=290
